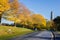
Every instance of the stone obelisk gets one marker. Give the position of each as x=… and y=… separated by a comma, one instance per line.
x=51, y=18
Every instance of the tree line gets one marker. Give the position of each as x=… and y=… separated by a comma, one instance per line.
x=12, y=10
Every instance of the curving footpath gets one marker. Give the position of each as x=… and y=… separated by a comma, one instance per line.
x=39, y=35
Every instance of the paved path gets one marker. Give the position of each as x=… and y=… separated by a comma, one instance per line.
x=43, y=35
x=57, y=36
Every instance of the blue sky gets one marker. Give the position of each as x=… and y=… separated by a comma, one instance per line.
x=43, y=7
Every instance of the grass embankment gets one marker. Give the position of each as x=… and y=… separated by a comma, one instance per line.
x=7, y=32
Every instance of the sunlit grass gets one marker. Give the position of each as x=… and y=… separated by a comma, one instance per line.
x=59, y=32
x=15, y=31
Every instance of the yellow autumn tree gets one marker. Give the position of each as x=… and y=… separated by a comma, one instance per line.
x=15, y=10
x=4, y=6
x=12, y=13
x=24, y=15
x=25, y=20
x=14, y=4
x=38, y=20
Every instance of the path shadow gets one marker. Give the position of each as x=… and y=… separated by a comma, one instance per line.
x=39, y=37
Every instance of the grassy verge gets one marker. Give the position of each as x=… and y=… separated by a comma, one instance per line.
x=5, y=34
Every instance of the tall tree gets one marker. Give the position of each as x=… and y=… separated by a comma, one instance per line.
x=12, y=13
x=24, y=15
x=4, y=6
x=38, y=20
x=57, y=23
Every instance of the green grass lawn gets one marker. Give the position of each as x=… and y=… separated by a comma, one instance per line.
x=14, y=31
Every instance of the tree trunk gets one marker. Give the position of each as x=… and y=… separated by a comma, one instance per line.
x=0, y=17
x=15, y=24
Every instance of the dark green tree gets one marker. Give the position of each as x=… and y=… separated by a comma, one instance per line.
x=57, y=23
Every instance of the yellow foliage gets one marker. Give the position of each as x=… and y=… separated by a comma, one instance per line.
x=12, y=9
x=24, y=18
x=38, y=19
x=4, y=5
x=15, y=6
